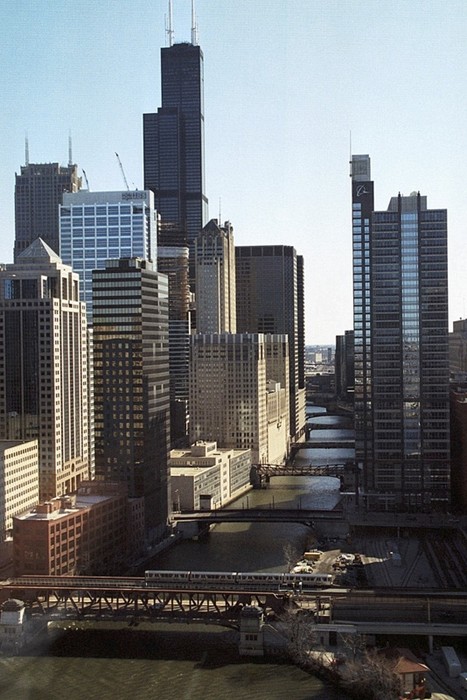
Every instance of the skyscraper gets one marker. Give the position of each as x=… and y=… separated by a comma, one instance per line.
x=401, y=348
x=215, y=279
x=44, y=369
x=270, y=300
x=131, y=388
x=239, y=393
x=173, y=261
x=38, y=194
x=173, y=143
x=97, y=226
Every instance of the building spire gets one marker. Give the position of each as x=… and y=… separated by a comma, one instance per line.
x=194, y=25
x=169, y=25
x=26, y=149
x=70, y=150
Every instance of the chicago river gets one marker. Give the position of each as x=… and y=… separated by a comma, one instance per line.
x=192, y=662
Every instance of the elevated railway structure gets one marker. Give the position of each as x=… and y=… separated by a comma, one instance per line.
x=377, y=611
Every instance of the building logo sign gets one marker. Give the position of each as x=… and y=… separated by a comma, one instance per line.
x=133, y=195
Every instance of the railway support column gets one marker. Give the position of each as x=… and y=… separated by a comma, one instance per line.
x=430, y=643
x=251, y=631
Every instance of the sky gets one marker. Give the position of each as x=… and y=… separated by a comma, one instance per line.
x=291, y=88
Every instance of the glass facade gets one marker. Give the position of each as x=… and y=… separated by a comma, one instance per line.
x=401, y=351
x=174, y=143
x=97, y=226
x=269, y=281
x=131, y=381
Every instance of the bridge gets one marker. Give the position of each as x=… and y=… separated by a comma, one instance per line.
x=373, y=611
x=305, y=516
x=337, y=470
x=95, y=598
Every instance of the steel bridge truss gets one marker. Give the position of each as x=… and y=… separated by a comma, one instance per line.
x=145, y=604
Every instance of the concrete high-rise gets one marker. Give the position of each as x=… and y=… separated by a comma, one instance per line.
x=38, y=193
x=239, y=393
x=215, y=279
x=44, y=370
x=174, y=143
x=131, y=387
x=98, y=226
x=270, y=300
x=401, y=348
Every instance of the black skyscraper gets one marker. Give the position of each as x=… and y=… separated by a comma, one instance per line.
x=38, y=193
x=401, y=348
x=174, y=143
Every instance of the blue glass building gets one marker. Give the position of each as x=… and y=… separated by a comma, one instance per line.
x=98, y=226
x=400, y=289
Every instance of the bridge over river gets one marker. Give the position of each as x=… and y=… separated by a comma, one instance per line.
x=132, y=599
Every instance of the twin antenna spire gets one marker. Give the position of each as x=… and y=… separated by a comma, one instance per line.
x=26, y=150
x=169, y=30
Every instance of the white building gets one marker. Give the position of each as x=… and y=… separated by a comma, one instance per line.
x=98, y=226
x=44, y=371
x=19, y=487
x=208, y=475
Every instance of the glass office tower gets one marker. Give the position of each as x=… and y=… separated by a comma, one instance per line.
x=401, y=348
x=131, y=381
x=174, y=143
x=270, y=299
x=98, y=226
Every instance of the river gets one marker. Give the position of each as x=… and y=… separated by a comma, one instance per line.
x=195, y=663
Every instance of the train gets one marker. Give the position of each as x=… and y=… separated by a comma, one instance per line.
x=250, y=580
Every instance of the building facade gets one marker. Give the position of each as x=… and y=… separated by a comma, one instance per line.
x=82, y=533
x=38, y=193
x=270, y=299
x=205, y=471
x=229, y=393
x=131, y=387
x=215, y=279
x=401, y=348
x=173, y=261
x=458, y=350
x=44, y=375
x=174, y=143
x=19, y=487
x=98, y=226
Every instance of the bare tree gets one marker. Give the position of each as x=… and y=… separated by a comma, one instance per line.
x=371, y=677
x=291, y=556
x=301, y=637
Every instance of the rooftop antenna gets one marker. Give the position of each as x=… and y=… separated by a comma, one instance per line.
x=26, y=149
x=169, y=25
x=194, y=25
x=70, y=153
x=350, y=154
x=220, y=211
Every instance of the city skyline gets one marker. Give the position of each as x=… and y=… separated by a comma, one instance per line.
x=284, y=87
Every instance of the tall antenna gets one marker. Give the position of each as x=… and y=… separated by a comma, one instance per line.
x=220, y=212
x=26, y=149
x=194, y=25
x=70, y=151
x=350, y=154
x=169, y=25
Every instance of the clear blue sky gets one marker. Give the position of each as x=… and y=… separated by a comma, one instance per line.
x=286, y=81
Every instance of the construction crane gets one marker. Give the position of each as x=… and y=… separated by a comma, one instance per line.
x=123, y=172
x=86, y=178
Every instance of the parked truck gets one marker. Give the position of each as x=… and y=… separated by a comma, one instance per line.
x=451, y=661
